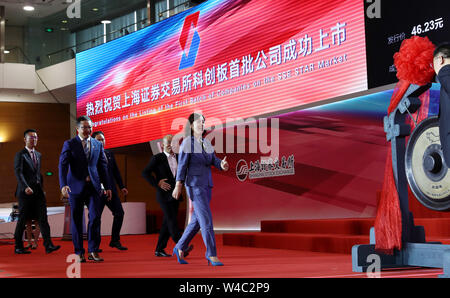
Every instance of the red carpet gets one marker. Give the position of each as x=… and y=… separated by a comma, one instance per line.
x=139, y=262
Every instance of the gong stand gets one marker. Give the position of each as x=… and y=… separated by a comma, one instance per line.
x=415, y=250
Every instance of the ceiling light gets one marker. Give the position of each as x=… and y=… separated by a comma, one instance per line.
x=95, y=9
x=28, y=8
x=64, y=21
x=6, y=51
x=106, y=22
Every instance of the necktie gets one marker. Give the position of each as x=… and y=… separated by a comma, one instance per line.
x=33, y=157
x=86, y=147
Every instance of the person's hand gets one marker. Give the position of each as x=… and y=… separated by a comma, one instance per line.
x=176, y=193
x=28, y=191
x=224, y=164
x=124, y=191
x=164, y=185
x=65, y=191
x=108, y=194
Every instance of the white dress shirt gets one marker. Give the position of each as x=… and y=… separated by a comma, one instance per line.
x=173, y=164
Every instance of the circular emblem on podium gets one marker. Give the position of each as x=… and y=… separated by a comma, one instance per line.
x=426, y=171
x=242, y=170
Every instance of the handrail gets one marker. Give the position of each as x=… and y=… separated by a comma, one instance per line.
x=121, y=30
x=124, y=30
x=161, y=13
x=143, y=21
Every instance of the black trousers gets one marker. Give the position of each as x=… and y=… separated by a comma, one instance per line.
x=169, y=227
x=445, y=145
x=117, y=211
x=32, y=207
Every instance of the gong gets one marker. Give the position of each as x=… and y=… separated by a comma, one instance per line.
x=426, y=171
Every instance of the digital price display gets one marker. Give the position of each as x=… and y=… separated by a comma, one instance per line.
x=397, y=21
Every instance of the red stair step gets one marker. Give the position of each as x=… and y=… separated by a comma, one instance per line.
x=326, y=235
x=352, y=226
x=434, y=227
x=331, y=243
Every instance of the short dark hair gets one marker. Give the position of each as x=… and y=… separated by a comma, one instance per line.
x=83, y=118
x=28, y=131
x=96, y=133
x=443, y=49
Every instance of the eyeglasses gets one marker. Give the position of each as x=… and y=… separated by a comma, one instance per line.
x=440, y=56
x=85, y=127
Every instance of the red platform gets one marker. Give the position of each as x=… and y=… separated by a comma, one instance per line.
x=285, y=249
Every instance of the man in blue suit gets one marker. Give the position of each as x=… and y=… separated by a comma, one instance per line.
x=114, y=204
x=82, y=170
x=441, y=64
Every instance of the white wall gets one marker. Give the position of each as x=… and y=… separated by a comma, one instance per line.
x=17, y=76
x=21, y=83
x=56, y=76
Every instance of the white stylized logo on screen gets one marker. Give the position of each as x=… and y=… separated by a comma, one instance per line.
x=242, y=170
x=265, y=168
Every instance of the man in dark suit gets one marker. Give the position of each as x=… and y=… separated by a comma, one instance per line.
x=114, y=204
x=164, y=167
x=30, y=194
x=441, y=64
x=82, y=170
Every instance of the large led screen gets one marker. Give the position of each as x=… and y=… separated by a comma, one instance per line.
x=226, y=59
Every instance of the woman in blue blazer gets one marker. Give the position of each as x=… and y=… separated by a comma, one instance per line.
x=195, y=159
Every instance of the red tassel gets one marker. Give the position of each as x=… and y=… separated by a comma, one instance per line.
x=388, y=222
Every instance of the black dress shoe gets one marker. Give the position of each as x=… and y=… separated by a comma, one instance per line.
x=161, y=253
x=82, y=258
x=21, y=251
x=52, y=248
x=117, y=245
x=94, y=256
